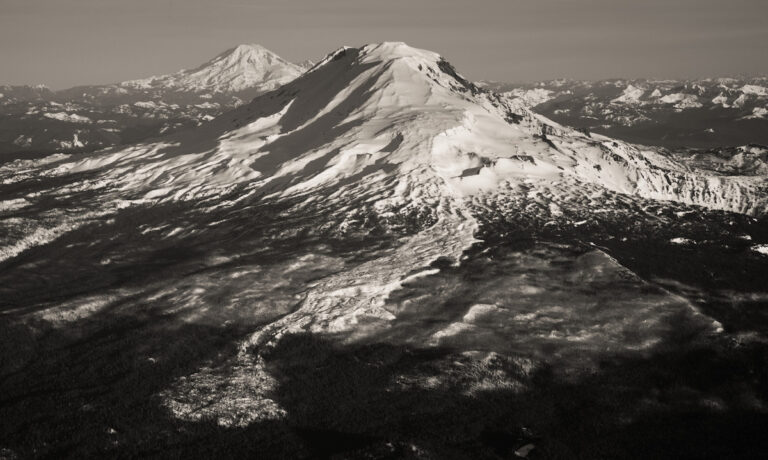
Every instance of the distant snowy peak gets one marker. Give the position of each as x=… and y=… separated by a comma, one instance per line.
x=306, y=64
x=244, y=67
x=631, y=95
x=531, y=97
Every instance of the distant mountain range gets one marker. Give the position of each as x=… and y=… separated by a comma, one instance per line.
x=703, y=113
x=36, y=119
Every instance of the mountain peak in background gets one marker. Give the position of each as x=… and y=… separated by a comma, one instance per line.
x=244, y=67
x=84, y=118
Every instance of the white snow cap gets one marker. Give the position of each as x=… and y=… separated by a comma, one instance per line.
x=236, y=69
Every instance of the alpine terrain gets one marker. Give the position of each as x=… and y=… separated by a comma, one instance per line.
x=381, y=259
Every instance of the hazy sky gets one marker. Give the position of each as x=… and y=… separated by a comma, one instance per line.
x=69, y=42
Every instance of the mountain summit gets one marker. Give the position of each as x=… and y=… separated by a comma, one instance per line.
x=244, y=67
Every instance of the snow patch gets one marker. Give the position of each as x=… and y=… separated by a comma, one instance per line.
x=631, y=95
x=754, y=90
x=68, y=117
x=681, y=101
x=531, y=97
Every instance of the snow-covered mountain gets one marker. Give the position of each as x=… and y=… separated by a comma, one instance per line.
x=250, y=68
x=398, y=132
x=388, y=134
x=378, y=200
x=362, y=117
x=36, y=119
x=704, y=113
